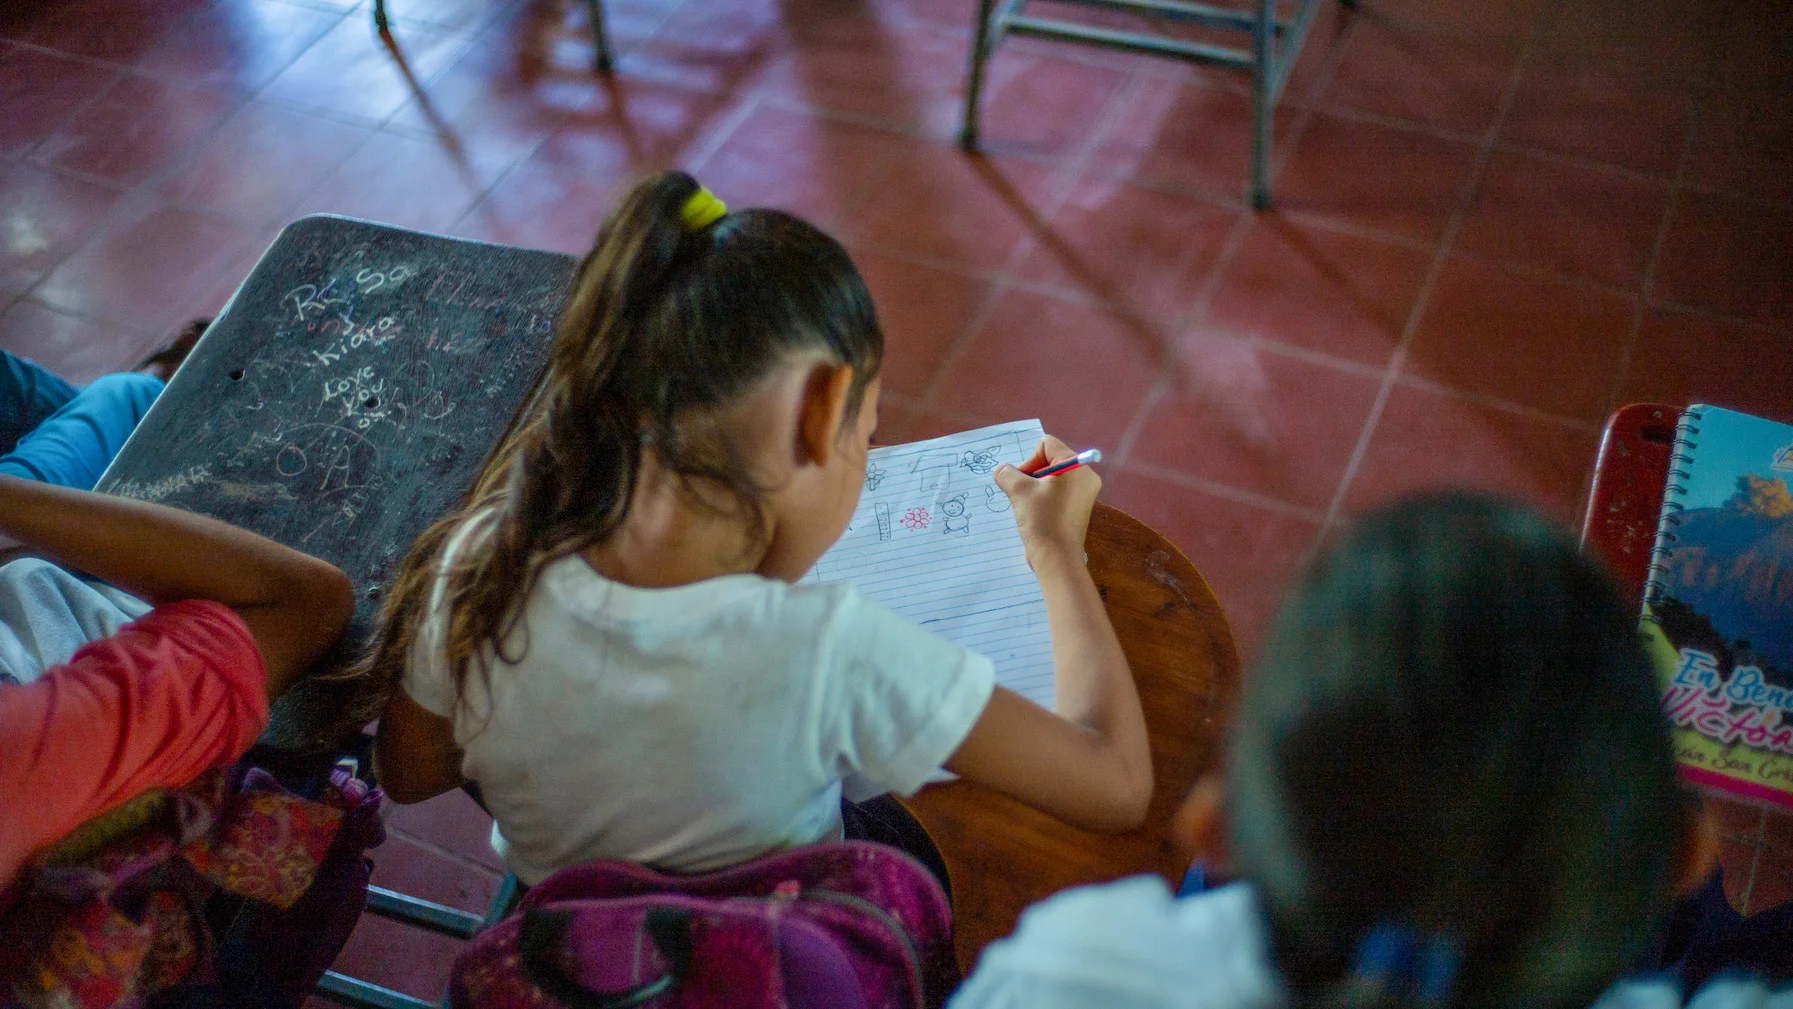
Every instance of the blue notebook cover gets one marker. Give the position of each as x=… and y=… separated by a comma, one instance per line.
x=1719, y=604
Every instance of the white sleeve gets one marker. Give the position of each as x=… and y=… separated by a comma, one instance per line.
x=906, y=696
x=1129, y=945
x=1061, y=957
x=46, y=613
x=428, y=679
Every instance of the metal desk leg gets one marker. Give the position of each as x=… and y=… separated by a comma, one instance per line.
x=600, y=39
x=980, y=52
x=1263, y=101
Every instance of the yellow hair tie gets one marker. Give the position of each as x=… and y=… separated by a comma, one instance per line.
x=702, y=210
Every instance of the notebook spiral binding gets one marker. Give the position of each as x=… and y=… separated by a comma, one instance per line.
x=1687, y=431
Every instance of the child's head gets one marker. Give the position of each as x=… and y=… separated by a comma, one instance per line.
x=1453, y=732
x=671, y=344
x=691, y=342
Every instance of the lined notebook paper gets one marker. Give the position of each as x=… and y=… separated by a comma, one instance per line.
x=934, y=540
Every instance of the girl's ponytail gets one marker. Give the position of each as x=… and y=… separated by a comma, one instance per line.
x=678, y=307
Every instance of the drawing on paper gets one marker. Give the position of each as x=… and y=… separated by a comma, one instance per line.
x=953, y=519
x=980, y=462
x=968, y=582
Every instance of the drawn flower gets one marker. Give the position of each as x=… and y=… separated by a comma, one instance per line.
x=916, y=519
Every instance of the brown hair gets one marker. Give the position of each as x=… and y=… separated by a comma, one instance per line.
x=1452, y=732
x=665, y=324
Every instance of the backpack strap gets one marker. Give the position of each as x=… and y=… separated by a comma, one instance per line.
x=540, y=934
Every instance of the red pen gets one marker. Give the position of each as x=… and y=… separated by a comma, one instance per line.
x=1083, y=458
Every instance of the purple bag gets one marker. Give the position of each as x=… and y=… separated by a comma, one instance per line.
x=853, y=925
x=231, y=891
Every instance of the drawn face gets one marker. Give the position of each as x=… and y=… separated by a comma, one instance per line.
x=953, y=507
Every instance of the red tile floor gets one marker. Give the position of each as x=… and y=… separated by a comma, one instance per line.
x=1496, y=221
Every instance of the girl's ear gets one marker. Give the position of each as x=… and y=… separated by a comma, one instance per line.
x=825, y=394
x=1699, y=849
x=1198, y=827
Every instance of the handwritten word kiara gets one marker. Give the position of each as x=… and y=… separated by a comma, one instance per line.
x=375, y=333
x=1743, y=708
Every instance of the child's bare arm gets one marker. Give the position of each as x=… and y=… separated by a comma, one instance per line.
x=415, y=756
x=294, y=604
x=1091, y=763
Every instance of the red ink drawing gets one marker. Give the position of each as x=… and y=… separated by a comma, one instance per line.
x=916, y=519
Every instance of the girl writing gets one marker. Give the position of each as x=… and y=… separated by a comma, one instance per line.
x=610, y=638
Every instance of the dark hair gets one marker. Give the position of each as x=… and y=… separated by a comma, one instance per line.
x=1453, y=730
x=665, y=325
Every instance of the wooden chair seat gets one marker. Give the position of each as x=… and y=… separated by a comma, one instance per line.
x=1003, y=855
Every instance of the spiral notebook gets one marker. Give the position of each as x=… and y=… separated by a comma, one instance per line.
x=1718, y=607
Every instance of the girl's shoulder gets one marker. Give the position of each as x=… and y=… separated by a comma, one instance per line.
x=573, y=585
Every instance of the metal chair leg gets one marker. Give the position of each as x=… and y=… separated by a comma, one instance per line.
x=974, y=85
x=380, y=21
x=1263, y=78
x=600, y=39
x=504, y=901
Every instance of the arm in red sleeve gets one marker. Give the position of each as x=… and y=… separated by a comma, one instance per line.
x=163, y=700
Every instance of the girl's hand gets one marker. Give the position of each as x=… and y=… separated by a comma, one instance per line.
x=1052, y=513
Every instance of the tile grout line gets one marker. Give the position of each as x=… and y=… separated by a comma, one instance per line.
x=1229, y=491
x=722, y=133
x=87, y=317
x=1546, y=275
x=1567, y=159
x=1446, y=242
x=1229, y=251
x=1646, y=290
x=1504, y=405
x=1713, y=315
x=442, y=851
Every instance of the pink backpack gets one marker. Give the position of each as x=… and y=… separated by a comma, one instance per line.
x=853, y=925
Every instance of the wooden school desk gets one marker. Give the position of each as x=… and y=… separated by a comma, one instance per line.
x=1618, y=525
x=341, y=401
x=1003, y=855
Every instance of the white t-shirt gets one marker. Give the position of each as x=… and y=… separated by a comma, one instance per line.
x=696, y=727
x=1129, y=945
x=1132, y=945
x=46, y=613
